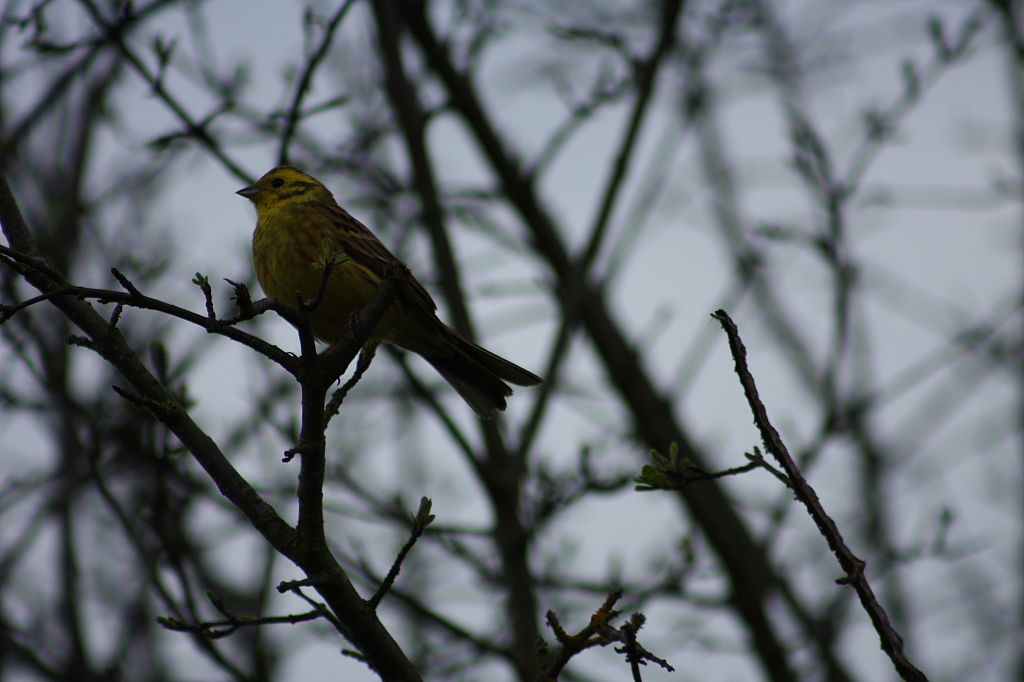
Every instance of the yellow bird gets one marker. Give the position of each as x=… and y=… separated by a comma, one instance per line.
x=294, y=214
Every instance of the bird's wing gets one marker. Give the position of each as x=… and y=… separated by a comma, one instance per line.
x=364, y=248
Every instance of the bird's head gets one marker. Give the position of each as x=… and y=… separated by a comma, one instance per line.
x=282, y=186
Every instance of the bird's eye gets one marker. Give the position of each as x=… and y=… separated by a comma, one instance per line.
x=277, y=182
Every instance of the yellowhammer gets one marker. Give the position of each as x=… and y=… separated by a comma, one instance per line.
x=294, y=214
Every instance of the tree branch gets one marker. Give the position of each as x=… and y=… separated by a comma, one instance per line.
x=892, y=644
x=361, y=624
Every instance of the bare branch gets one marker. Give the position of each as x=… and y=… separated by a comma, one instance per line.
x=892, y=644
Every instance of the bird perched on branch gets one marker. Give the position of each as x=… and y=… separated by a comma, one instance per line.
x=294, y=215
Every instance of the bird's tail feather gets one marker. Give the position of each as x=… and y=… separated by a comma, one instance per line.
x=477, y=374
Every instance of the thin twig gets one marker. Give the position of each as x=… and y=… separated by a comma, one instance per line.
x=302, y=87
x=114, y=34
x=420, y=522
x=132, y=297
x=599, y=632
x=209, y=629
x=366, y=356
x=892, y=644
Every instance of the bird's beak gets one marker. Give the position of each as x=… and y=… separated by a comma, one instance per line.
x=249, y=192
